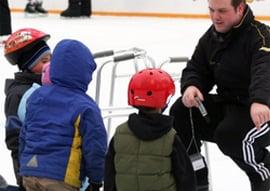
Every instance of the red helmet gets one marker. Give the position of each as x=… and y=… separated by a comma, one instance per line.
x=21, y=42
x=150, y=88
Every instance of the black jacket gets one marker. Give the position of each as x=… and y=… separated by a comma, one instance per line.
x=237, y=62
x=14, y=90
x=150, y=127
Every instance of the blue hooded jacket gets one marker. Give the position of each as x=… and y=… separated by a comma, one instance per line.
x=64, y=137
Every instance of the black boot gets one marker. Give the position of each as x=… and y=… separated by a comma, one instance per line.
x=40, y=9
x=30, y=9
x=86, y=8
x=73, y=10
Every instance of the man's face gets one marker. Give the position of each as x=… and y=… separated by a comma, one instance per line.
x=223, y=15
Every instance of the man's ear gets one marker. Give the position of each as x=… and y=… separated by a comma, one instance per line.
x=241, y=8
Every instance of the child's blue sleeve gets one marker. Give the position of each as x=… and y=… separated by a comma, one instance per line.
x=85, y=184
x=94, y=144
x=22, y=106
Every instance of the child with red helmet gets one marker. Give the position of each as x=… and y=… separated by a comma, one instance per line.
x=26, y=48
x=146, y=153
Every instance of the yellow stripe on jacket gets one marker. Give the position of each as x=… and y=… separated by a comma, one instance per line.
x=72, y=176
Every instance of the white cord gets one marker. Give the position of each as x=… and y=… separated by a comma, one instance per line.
x=193, y=133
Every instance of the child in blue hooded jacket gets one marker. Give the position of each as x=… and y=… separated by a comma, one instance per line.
x=63, y=139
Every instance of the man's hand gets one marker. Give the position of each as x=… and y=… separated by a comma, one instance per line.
x=189, y=95
x=259, y=113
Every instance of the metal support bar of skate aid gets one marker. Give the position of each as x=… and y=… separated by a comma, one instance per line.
x=115, y=58
x=176, y=77
x=113, y=115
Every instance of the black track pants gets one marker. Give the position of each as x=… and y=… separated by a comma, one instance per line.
x=232, y=129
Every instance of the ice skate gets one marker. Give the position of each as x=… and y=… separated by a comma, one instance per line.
x=30, y=10
x=40, y=10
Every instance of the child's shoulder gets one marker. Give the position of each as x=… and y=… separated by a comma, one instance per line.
x=27, y=78
x=122, y=127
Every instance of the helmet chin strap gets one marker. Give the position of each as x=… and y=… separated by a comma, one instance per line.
x=167, y=103
x=164, y=108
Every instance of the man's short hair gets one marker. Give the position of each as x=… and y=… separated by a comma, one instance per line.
x=236, y=3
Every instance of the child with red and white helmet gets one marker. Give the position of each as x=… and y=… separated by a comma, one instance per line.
x=26, y=48
x=146, y=153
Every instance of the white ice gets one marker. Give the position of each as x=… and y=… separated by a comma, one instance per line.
x=161, y=38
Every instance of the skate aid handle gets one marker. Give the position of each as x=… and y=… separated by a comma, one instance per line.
x=178, y=59
x=103, y=54
x=124, y=57
x=202, y=110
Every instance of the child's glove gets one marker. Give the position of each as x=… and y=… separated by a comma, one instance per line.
x=94, y=186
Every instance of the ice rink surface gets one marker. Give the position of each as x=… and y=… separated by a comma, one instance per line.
x=161, y=38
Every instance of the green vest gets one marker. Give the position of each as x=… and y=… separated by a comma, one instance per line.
x=143, y=165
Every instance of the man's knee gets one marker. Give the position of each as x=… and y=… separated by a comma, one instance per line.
x=224, y=140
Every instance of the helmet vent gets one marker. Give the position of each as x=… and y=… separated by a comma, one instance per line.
x=149, y=93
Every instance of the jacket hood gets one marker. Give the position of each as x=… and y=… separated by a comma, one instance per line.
x=72, y=65
x=149, y=126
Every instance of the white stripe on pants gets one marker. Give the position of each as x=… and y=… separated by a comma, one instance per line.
x=248, y=150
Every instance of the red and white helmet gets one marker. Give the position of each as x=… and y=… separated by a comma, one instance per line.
x=150, y=88
x=21, y=42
